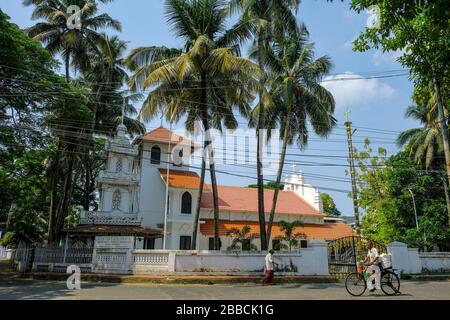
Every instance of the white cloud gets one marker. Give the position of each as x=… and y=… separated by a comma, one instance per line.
x=380, y=58
x=355, y=92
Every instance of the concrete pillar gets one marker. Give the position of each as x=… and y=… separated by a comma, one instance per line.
x=172, y=257
x=414, y=260
x=320, y=256
x=404, y=259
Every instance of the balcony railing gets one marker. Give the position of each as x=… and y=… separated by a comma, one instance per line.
x=108, y=218
x=118, y=177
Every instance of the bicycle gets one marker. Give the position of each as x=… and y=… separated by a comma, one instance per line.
x=356, y=282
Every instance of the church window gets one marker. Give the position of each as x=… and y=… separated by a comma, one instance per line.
x=119, y=165
x=116, y=200
x=186, y=203
x=156, y=155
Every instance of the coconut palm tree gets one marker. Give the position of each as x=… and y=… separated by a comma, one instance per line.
x=203, y=83
x=106, y=74
x=425, y=143
x=297, y=96
x=266, y=19
x=72, y=43
x=75, y=46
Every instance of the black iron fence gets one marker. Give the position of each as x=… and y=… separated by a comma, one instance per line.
x=345, y=253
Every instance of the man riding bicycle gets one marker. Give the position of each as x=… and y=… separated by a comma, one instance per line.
x=371, y=261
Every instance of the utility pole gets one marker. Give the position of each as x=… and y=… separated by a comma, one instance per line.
x=348, y=126
x=415, y=209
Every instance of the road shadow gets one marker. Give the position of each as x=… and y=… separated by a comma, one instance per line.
x=24, y=289
x=314, y=286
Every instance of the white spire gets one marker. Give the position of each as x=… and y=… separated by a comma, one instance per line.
x=294, y=166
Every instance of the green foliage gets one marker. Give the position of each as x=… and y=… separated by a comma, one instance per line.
x=269, y=185
x=290, y=237
x=29, y=196
x=239, y=237
x=420, y=28
x=329, y=207
x=384, y=185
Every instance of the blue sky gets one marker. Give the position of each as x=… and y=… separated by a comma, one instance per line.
x=374, y=103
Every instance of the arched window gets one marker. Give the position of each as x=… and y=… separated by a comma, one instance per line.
x=179, y=162
x=186, y=203
x=156, y=155
x=117, y=197
x=119, y=165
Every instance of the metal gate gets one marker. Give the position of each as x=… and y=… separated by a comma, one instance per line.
x=344, y=254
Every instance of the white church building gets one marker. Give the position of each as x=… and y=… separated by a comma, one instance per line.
x=139, y=175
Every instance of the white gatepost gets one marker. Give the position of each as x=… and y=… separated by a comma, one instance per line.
x=404, y=259
x=171, y=263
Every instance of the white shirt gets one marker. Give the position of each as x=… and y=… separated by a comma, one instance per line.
x=372, y=254
x=269, y=262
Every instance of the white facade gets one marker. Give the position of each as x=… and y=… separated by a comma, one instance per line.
x=133, y=192
x=296, y=182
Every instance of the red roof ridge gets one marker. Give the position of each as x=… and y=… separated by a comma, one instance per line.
x=242, y=199
x=164, y=135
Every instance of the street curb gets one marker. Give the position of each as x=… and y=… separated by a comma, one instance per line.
x=428, y=277
x=171, y=279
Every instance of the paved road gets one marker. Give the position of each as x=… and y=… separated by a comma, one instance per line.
x=32, y=289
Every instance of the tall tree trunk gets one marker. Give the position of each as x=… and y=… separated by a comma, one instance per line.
x=53, y=193
x=212, y=168
x=259, y=166
x=199, y=199
x=87, y=182
x=279, y=174
x=212, y=171
x=447, y=197
x=65, y=197
x=443, y=127
x=67, y=65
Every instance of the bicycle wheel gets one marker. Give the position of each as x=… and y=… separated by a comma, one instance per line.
x=355, y=284
x=390, y=284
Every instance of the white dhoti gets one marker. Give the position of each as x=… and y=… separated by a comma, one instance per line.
x=375, y=274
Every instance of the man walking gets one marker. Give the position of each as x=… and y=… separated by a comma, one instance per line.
x=268, y=268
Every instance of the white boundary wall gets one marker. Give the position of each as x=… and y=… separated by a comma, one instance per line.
x=310, y=261
x=435, y=261
x=411, y=261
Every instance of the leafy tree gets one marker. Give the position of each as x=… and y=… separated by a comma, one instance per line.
x=27, y=219
x=385, y=185
x=424, y=144
x=81, y=113
x=421, y=31
x=329, y=207
x=27, y=75
x=271, y=185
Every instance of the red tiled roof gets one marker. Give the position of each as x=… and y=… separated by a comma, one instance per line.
x=246, y=200
x=182, y=179
x=327, y=231
x=163, y=135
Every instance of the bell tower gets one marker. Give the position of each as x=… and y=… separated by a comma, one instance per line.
x=118, y=184
x=296, y=182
